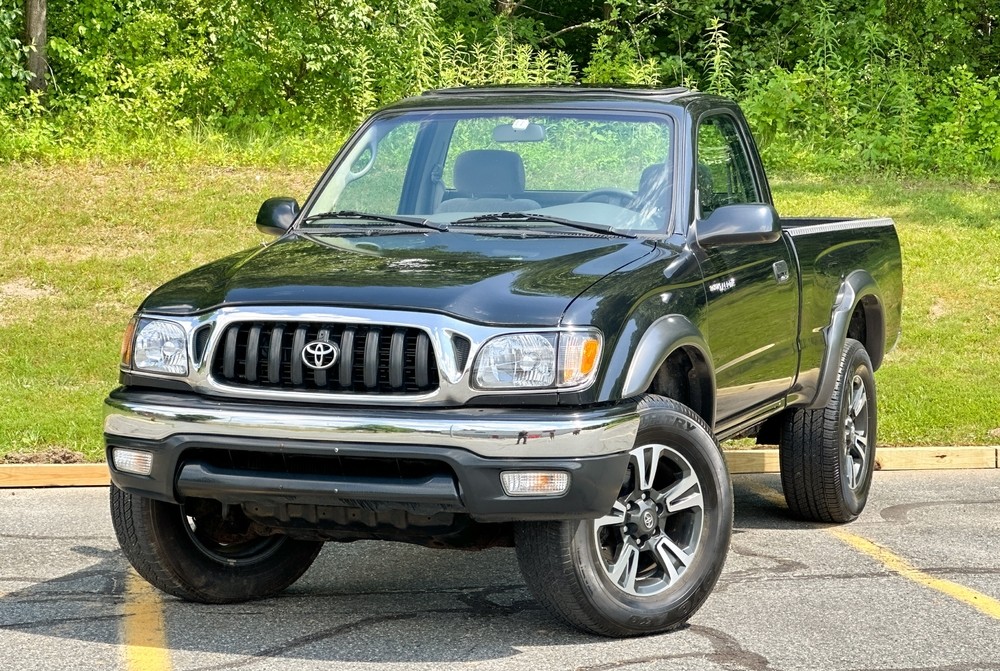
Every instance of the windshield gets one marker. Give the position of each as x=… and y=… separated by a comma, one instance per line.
x=606, y=170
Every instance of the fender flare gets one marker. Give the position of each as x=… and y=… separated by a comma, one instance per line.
x=661, y=339
x=854, y=288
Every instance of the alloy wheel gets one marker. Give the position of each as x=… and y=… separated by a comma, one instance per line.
x=856, y=433
x=651, y=536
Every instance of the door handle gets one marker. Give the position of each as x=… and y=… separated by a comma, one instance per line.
x=780, y=271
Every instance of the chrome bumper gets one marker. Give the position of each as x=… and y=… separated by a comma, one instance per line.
x=487, y=432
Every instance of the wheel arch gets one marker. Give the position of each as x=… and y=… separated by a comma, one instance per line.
x=857, y=313
x=867, y=325
x=673, y=360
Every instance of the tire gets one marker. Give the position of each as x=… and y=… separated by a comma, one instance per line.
x=648, y=565
x=828, y=454
x=211, y=560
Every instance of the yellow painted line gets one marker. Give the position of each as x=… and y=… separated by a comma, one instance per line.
x=145, y=630
x=979, y=601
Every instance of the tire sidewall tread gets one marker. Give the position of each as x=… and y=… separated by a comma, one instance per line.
x=555, y=556
x=812, y=444
x=153, y=540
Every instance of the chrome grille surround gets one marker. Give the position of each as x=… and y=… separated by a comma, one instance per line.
x=454, y=364
x=360, y=359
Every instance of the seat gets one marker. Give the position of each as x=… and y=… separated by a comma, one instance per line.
x=656, y=188
x=706, y=190
x=493, y=180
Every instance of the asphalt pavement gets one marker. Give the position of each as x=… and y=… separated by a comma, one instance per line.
x=913, y=584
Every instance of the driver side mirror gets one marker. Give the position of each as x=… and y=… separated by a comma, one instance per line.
x=276, y=215
x=742, y=224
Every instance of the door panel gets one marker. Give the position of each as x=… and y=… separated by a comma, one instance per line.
x=751, y=318
x=750, y=323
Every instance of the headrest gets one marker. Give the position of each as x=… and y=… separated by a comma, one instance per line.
x=489, y=172
x=704, y=178
x=655, y=177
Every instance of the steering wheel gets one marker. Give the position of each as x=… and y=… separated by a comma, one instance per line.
x=620, y=197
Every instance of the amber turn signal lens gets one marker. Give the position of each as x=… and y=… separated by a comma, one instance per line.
x=126, y=354
x=589, y=358
x=578, y=356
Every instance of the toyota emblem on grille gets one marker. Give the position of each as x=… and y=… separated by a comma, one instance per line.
x=320, y=354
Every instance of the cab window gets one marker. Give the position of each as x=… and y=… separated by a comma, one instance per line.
x=724, y=176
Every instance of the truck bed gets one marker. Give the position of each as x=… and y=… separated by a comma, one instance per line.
x=831, y=250
x=796, y=226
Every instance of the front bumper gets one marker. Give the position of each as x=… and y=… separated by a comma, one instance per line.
x=468, y=448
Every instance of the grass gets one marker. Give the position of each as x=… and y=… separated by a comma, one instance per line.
x=85, y=244
x=939, y=387
x=89, y=244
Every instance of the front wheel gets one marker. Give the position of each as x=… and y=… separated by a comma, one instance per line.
x=198, y=554
x=651, y=562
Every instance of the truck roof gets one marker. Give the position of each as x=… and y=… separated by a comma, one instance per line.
x=565, y=96
x=568, y=90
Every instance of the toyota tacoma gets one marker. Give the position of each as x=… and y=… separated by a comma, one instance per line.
x=507, y=316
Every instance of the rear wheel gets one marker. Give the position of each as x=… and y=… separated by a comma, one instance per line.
x=651, y=562
x=195, y=553
x=828, y=454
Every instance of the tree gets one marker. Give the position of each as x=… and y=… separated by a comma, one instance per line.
x=34, y=37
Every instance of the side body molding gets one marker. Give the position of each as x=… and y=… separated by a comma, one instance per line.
x=663, y=337
x=855, y=287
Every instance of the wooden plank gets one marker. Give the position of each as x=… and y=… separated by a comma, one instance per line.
x=886, y=459
x=54, y=475
x=932, y=458
x=739, y=461
x=752, y=461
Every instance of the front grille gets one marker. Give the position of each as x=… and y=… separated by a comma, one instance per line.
x=372, y=359
x=318, y=465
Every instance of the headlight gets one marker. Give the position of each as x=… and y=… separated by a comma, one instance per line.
x=538, y=360
x=160, y=347
x=517, y=361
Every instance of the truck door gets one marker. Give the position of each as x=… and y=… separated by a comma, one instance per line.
x=750, y=319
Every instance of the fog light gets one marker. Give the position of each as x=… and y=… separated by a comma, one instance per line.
x=133, y=461
x=534, y=483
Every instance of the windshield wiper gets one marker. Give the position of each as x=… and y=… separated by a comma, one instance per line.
x=529, y=217
x=371, y=216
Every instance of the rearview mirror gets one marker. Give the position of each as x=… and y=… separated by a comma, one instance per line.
x=743, y=224
x=520, y=130
x=276, y=215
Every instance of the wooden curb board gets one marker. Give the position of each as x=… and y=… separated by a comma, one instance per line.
x=886, y=459
x=739, y=461
x=53, y=475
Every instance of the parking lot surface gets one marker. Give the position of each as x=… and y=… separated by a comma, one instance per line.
x=913, y=584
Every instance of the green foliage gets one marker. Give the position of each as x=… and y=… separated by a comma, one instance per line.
x=719, y=65
x=909, y=86
x=617, y=62
x=498, y=61
x=12, y=52
x=863, y=96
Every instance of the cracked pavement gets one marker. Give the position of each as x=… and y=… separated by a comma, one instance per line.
x=792, y=596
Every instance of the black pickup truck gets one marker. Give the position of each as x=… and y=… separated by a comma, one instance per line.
x=507, y=316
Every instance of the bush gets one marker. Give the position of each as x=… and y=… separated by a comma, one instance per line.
x=829, y=86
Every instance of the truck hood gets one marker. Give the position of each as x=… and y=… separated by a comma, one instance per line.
x=487, y=279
